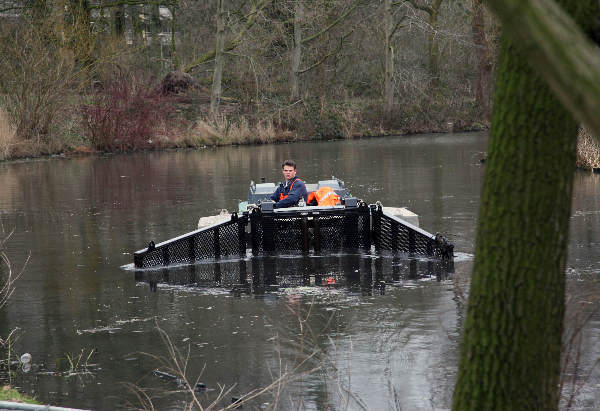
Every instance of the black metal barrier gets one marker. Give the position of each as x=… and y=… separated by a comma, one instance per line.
x=393, y=234
x=317, y=229
x=220, y=240
x=301, y=230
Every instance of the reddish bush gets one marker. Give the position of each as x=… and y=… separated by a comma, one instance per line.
x=126, y=113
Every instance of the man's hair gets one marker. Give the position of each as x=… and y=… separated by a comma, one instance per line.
x=290, y=163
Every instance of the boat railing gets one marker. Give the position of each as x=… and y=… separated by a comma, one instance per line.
x=213, y=242
x=391, y=233
x=305, y=229
x=354, y=227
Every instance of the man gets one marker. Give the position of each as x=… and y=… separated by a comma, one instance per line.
x=291, y=190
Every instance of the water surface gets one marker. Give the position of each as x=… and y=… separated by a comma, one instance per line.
x=373, y=346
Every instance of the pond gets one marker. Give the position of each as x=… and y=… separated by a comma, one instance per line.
x=97, y=331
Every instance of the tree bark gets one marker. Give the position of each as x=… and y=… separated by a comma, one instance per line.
x=215, y=95
x=297, y=56
x=483, y=89
x=510, y=353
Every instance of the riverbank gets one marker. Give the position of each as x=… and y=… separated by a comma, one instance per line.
x=224, y=133
x=7, y=393
x=227, y=130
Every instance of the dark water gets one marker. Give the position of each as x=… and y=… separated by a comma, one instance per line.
x=352, y=345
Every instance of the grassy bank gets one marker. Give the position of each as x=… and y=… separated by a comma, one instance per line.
x=122, y=119
x=7, y=393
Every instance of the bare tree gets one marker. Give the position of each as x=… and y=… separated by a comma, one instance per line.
x=297, y=53
x=215, y=95
x=432, y=11
x=391, y=27
x=300, y=42
x=250, y=20
x=483, y=89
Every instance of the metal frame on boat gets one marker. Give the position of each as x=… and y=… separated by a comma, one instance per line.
x=351, y=227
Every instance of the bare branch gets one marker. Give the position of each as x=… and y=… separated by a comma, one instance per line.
x=333, y=24
x=251, y=19
x=324, y=58
x=422, y=7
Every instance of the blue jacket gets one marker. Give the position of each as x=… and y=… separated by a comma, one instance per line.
x=298, y=191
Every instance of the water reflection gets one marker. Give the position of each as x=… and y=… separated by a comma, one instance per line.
x=354, y=273
x=82, y=218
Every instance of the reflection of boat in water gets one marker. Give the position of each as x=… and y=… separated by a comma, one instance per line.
x=354, y=273
x=352, y=227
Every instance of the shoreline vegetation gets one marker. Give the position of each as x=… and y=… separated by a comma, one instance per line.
x=8, y=393
x=92, y=76
x=96, y=77
x=135, y=112
x=221, y=132
x=237, y=130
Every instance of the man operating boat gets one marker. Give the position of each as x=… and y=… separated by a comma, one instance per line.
x=292, y=190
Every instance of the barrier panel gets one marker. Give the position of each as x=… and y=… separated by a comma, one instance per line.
x=317, y=229
x=300, y=230
x=220, y=240
x=391, y=233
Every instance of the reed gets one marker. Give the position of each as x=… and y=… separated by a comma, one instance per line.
x=7, y=135
x=223, y=131
x=588, y=150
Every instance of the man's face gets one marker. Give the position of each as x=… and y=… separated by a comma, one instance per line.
x=289, y=172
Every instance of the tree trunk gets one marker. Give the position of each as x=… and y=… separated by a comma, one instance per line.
x=40, y=9
x=134, y=18
x=77, y=15
x=483, y=89
x=388, y=85
x=434, y=50
x=119, y=21
x=174, y=60
x=510, y=353
x=297, y=56
x=215, y=95
x=232, y=44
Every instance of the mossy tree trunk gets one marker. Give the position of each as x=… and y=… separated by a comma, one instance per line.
x=510, y=353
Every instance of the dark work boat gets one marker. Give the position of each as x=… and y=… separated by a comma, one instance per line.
x=259, y=229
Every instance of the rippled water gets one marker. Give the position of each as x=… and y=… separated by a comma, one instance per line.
x=382, y=344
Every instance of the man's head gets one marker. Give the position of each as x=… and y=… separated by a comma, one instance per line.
x=289, y=169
